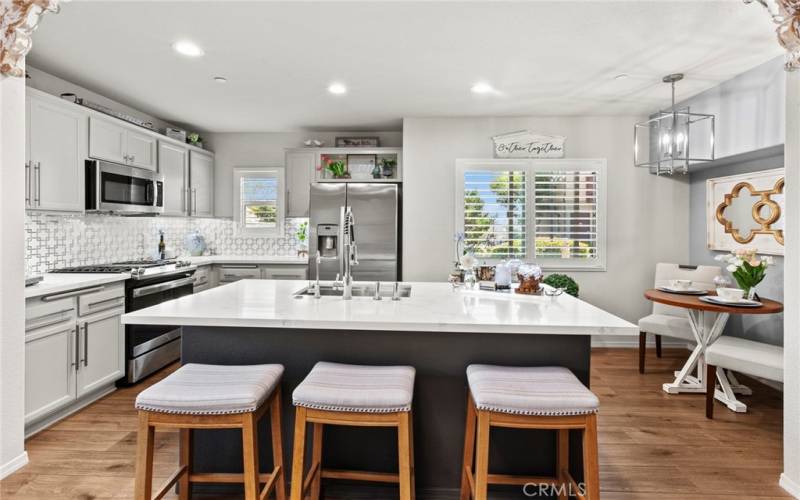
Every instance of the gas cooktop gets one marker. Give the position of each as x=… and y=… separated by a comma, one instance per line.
x=138, y=268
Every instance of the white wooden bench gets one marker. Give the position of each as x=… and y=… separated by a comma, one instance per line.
x=746, y=356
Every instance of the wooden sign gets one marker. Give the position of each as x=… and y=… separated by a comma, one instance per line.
x=527, y=144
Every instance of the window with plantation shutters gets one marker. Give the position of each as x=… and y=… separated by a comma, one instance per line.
x=494, y=213
x=258, y=200
x=565, y=214
x=548, y=211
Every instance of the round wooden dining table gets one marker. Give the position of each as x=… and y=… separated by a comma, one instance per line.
x=708, y=321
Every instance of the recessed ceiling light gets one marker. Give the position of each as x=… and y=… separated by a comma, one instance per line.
x=483, y=88
x=621, y=76
x=337, y=88
x=187, y=48
x=220, y=79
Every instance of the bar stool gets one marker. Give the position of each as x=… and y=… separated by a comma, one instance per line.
x=359, y=396
x=212, y=397
x=529, y=398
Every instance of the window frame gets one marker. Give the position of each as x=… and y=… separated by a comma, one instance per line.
x=278, y=173
x=531, y=167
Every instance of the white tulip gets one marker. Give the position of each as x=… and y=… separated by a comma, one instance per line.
x=720, y=257
x=731, y=268
x=737, y=262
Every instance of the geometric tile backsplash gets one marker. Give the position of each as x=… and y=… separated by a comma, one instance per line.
x=59, y=240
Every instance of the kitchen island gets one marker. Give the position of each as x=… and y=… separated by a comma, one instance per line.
x=437, y=329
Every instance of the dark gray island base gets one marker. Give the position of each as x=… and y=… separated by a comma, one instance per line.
x=439, y=408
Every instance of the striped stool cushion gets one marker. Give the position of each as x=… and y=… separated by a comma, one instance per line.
x=550, y=390
x=196, y=389
x=357, y=388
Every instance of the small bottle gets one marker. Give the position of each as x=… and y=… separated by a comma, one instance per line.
x=162, y=247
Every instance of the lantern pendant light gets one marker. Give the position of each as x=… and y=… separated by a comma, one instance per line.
x=672, y=140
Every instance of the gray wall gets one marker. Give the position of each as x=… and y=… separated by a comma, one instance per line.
x=766, y=328
x=647, y=215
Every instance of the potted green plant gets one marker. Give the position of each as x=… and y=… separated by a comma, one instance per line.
x=338, y=169
x=194, y=139
x=387, y=166
x=563, y=282
x=302, y=239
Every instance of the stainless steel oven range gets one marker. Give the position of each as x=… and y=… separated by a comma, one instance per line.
x=148, y=348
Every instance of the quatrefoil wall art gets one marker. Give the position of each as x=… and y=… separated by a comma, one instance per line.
x=747, y=210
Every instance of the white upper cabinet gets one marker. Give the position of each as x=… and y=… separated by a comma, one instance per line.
x=56, y=150
x=107, y=141
x=299, y=173
x=201, y=180
x=121, y=144
x=142, y=149
x=173, y=163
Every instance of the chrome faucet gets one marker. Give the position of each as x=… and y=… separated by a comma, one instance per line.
x=350, y=253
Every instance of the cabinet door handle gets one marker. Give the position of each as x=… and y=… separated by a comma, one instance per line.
x=27, y=183
x=38, y=171
x=77, y=363
x=188, y=200
x=74, y=364
x=194, y=197
x=86, y=343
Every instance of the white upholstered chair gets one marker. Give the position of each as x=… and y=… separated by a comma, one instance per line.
x=672, y=321
x=746, y=356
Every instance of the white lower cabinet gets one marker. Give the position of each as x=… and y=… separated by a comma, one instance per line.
x=50, y=369
x=285, y=272
x=228, y=273
x=74, y=348
x=102, y=349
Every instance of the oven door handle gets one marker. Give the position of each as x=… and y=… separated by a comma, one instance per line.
x=161, y=287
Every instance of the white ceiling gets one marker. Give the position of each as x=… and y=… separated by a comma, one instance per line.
x=398, y=59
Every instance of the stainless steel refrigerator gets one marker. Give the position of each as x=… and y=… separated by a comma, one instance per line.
x=376, y=210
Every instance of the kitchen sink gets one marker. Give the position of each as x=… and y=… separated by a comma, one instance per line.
x=359, y=290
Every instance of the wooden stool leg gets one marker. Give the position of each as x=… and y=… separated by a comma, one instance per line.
x=482, y=458
x=642, y=350
x=404, y=452
x=658, y=346
x=143, y=489
x=711, y=387
x=298, y=453
x=250, y=452
x=411, y=455
x=316, y=461
x=591, y=467
x=185, y=459
x=277, y=444
x=562, y=463
x=469, y=447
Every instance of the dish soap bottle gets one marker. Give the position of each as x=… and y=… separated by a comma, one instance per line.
x=162, y=247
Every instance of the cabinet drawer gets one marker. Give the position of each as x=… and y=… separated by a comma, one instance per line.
x=40, y=313
x=285, y=272
x=230, y=273
x=101, y=301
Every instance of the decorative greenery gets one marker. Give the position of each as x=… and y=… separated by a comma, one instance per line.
x=337, y=168
x=388, y=163
x=265, y=214
x=194, y=138
x=302, y=232
x=747, y=268
x=562, y=281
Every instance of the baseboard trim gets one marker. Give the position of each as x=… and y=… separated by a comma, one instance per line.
x=14, y=465
x=790, y=485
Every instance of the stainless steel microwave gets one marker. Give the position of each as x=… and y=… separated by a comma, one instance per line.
x=111, y=187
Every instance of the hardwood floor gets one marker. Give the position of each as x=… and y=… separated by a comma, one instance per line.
x=652, y=445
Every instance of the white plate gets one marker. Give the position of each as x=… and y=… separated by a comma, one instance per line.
x=713, y=299
x=686, y=291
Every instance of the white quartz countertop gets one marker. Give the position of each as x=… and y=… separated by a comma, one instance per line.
x=431, y=307
x=65, y=282
x=246, y=259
